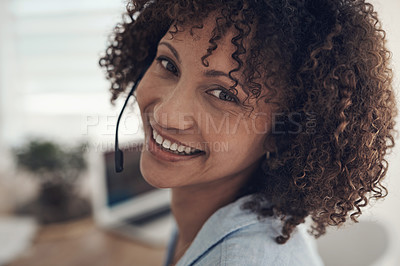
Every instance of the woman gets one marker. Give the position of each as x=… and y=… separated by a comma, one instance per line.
x=257, y=114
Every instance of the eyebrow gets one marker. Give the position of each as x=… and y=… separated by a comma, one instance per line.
x=173, y=50
x=208, y=73
x=215, y=73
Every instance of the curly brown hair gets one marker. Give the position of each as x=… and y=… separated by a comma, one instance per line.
x=326, y=68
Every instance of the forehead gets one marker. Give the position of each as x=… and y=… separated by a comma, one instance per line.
x=198, y=41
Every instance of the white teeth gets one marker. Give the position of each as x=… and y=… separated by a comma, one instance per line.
x=159, y=139
x=166, y=144
x=181, y=148
x=187, y=150
x=174, y=147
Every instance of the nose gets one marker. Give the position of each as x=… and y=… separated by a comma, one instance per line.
x=175, y=109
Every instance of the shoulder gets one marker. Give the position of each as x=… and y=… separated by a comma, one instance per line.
x=256, y=245
x=233, y=236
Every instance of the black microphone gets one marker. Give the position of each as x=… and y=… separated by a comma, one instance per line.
x=119, y=155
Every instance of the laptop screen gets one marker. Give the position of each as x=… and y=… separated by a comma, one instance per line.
x=129, y=183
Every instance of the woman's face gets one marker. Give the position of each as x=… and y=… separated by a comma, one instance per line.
x=206, y=135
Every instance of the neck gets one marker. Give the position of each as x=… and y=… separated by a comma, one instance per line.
x=191, y=209
x=193, y=205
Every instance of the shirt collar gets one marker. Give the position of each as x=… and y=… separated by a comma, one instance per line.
x=223, y=222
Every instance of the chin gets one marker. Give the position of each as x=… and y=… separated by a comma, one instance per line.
x=153, y=177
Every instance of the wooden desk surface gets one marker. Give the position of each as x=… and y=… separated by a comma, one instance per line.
x=80, y=243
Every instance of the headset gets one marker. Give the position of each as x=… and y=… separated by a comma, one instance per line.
x=119, y=155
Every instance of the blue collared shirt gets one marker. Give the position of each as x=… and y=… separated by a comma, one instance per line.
x=236, y=237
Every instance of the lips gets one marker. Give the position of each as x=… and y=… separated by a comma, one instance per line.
x=164, y=155
x=173, y=146
x=169, y=149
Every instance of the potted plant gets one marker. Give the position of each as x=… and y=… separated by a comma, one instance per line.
x=57, y=170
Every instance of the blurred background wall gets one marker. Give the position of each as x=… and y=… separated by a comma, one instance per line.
x=51, y=86
x=50, y=79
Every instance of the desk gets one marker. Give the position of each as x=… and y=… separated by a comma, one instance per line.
x=81, y=243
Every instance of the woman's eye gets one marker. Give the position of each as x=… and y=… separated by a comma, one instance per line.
x=223, y=95
x=168, y=65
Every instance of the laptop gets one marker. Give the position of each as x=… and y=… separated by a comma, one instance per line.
x=124, y=203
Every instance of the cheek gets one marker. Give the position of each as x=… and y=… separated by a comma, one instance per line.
x=139, y=96
x=145, y=83
x=251, y=135
x=143, y=94
x=240, y=143
x=261, y=123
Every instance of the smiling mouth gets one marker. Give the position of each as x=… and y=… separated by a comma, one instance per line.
x=173, y=147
